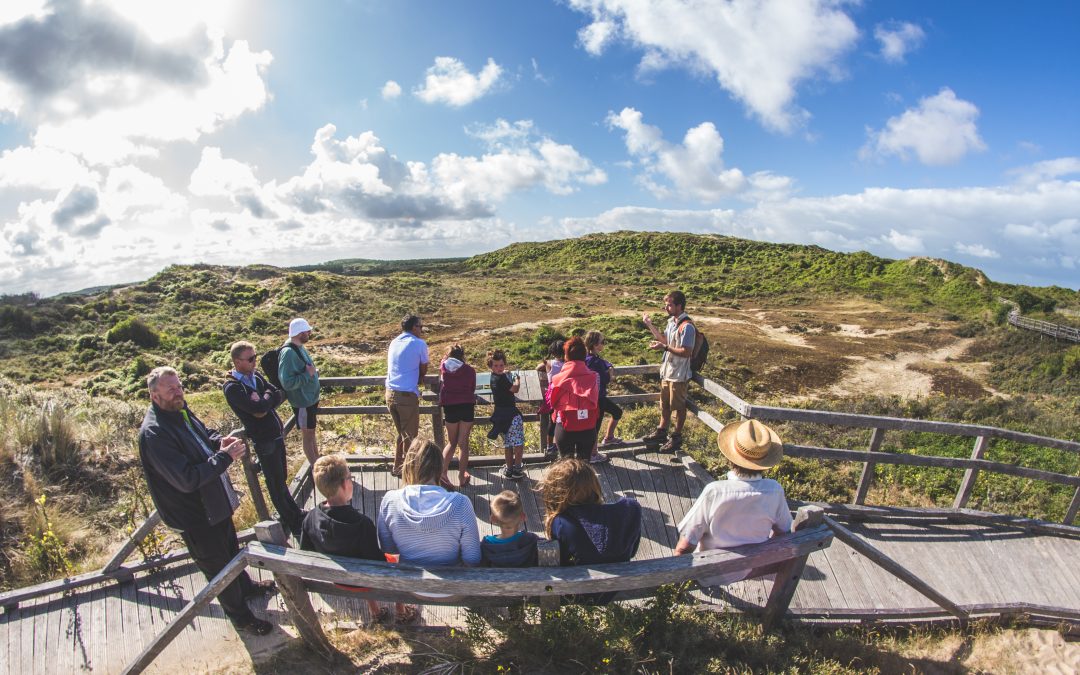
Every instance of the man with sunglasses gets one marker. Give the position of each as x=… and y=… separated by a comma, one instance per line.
x=255, y=402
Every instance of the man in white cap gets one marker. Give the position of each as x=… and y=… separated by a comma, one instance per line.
x=744, y=509
x=300, y=380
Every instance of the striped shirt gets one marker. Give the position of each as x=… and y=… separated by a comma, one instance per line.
x=426, y=525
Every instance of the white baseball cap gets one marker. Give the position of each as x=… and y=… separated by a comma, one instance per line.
x=297, y=326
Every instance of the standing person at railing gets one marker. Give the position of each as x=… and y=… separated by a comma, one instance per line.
x=594, y=342
x=744, y=509
x=186, y=467
x=677, y=343
x=574, y=396
x=406, y=366
x=300, y=380
x=255, y=402
x=457, y=396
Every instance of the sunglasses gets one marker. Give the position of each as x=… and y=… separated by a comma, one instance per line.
x=250, y=359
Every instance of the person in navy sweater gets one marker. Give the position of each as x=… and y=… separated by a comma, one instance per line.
x=588, y=530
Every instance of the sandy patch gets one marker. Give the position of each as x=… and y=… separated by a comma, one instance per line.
x=775, y=333
x=855, y=330
x=534, y=325
x=892, y=376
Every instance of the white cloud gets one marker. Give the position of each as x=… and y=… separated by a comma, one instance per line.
x=905, y=243
x=1046, y=170
x=449, y=81
x=217, y=176
x=96, y=83
x=976, y=250
x=897, y=39
x=42, y=169
x=391, y=90
x=940, y=130
x=693, y=169
x=17, y=10
x=758, y=51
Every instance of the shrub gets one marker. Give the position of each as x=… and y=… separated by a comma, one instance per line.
x=133, y=330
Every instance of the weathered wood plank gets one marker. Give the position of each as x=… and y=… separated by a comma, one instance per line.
x=924, y=460
x=719, y=391
x=534, y=581
x=882, y=560
x=9, y=644
x=1074, y=508
x=904, y=424
x=867, y=477
x=653, y=525
x=787, y=579
x=968, y=482
x=129, y=546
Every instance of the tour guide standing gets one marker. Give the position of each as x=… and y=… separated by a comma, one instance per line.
x=300, y=380
x=406, y=365
x=677, y=342
x=185, y=465
x=255, y=402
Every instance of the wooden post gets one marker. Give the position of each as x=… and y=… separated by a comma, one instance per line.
x=1070, y=515
x=181, y=620
x=253, y=483
x=437, y=429
x=297, y=601
x=867, y=477
x=549, y=557
x=892, y=567
x=790, y=571
x=968, y=484
x=132, y=543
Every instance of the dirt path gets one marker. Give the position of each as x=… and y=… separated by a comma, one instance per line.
x=893, y=376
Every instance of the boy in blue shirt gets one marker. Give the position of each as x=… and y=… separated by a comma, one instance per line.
x=513, y=546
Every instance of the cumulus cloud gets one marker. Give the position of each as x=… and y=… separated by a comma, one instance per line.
x=1046, y=170
x=95, y=82
x=976, y=250
x=449, y=81
x=1036, y=224
x=391, y=90
x=897, y=39
x=693, y=169
x=940, y=130
x=46, y=169
x=759, y=52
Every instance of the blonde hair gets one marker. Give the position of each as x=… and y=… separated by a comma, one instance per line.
x=568, y=482
x=239, y=347
x=592, y=339
x=506, y=507
x=422, y=464
x=330, y=471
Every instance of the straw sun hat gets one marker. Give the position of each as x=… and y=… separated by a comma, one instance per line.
x=750, y=444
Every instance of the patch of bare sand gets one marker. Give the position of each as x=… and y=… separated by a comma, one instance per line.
x=534, y=325
x=1021, y=651
x=855, y=330
x=892, y=376
x=776, y=333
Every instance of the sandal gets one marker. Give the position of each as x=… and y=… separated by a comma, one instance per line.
x=408, y=616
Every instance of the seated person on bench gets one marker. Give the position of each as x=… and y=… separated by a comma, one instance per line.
x=514, y=546
x=745, y=508
x=336, y=528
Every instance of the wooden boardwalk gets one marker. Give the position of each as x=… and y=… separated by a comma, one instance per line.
x=100, y=629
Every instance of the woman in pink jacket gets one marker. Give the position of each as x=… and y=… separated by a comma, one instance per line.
x=457, y=396
x=573, y=396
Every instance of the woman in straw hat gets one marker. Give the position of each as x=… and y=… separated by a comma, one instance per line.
x=746, y=508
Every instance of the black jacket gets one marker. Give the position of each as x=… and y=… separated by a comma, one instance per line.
x=184, y=483
x=340, y=530
x=238, y=395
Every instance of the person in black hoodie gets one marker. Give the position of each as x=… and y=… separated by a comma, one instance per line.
x=255, y=402
x=336, y=528
x=514, y=546
x=588, y=530
x=186, y=468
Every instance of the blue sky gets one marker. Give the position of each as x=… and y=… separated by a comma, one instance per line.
x=134, y=135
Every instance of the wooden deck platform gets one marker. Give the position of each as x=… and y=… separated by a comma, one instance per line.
x=99, y=629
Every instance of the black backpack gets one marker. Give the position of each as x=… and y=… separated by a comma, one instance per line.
x=700, y=352
x=269, y=364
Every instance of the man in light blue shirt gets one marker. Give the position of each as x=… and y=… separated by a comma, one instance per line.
x=406, y=366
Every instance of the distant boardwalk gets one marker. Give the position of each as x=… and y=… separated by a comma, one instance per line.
x=982, y=567
x=1069, y=333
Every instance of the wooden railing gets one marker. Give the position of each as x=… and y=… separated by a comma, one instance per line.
x=982, y=435
x=1054, y=330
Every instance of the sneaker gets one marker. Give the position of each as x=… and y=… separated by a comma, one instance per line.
x=253, y=624
x=674, y=444
x=517, y=473
x=614, y=440
x=599, y=458
x=551, y=453
x=506, y=472
x=657, y=436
